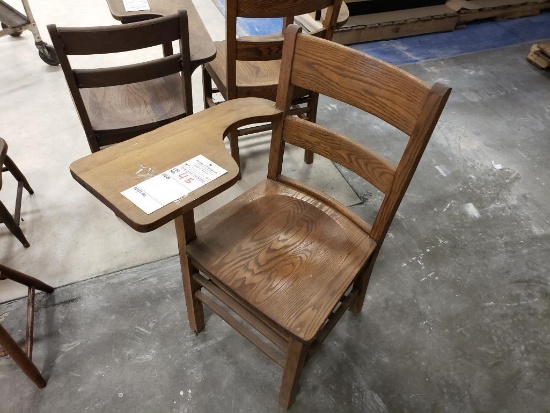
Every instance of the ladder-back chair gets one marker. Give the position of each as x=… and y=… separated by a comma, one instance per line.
x=118, y=103
x=286, y=258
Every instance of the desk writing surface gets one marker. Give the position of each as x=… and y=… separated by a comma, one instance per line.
x=110, y=171
x=201, y=46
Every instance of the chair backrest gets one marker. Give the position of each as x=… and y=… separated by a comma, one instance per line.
x=385, y=91
x=72, y=41
x=269, y=47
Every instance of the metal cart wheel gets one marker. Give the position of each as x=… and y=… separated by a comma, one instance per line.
x=17, y=33
x=47, y=54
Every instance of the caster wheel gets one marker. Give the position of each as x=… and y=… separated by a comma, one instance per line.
x=48, y=55
x=17, y=33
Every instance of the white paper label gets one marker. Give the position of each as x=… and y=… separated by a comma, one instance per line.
x=173, y=184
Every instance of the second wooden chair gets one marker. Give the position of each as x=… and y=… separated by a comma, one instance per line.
x=121, y=102
x=249, y=66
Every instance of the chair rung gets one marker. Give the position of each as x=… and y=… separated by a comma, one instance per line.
x=267, y=331
x=241, y=328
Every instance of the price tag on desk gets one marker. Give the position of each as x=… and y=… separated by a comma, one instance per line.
x=136, y=5
x=171, y=185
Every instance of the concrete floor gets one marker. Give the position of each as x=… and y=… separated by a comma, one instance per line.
x=457, y=317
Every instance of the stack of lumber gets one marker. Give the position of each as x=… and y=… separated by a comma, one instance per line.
x=540, y=55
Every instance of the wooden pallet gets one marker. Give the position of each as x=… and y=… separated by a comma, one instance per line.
x=470, y=10
x=432, y=19
x=540, y=55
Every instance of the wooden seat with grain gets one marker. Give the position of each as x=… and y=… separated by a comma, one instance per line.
x=286, y=258
x=249, y=66
x=12, y=221
x=10, y=347
x=117, y=103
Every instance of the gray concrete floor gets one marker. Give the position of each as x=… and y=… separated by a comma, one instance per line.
x=457, y=317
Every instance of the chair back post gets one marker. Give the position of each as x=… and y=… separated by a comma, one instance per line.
x=185, y=54
x=431, y=111
x=73, y=87
x=283, y=102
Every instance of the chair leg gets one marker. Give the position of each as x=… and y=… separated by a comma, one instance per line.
x=363, y=283
x=18, y=175
x=13, y=226
x=20, y=358
x=185, y=231
x=295, y=361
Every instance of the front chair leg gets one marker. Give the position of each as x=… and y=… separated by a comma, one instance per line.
x=295, y=361
x=185, y=231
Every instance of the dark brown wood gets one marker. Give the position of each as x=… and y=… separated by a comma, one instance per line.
x=250, y=65
x=289, y=253
x=23, y=358
x=12, y=221
x=118, y=103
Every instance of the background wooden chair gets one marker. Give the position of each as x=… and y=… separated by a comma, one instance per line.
x=118, y=103
x=23, y=358
x=286, y=258
x=249, y=66
x=12, y=221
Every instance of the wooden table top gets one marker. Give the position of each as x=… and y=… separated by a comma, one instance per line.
x=200, y=43
x=110, y=171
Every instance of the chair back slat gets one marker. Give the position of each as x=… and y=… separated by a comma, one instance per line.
x=117, y=39
x=365, y=163
x=122, y=75
x=374, y=86
x=279, y=8
x=259, y=48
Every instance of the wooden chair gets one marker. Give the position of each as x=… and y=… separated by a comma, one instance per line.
x=249, y=66
x=12, y=221
x=119, y=103
x=286, y=258
x=23, y=358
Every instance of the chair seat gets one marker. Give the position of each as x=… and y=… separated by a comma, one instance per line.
x=283, y=253
x=125, y=106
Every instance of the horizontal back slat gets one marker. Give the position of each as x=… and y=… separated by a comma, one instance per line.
x=365, y=163
x=259, y=49
x=371, y=85
x=116, y=39
x=140, y=72
x=279, y=8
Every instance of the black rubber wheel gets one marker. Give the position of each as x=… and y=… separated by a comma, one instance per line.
x=18, y=33
x=48, y=55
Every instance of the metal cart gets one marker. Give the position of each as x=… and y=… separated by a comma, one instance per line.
x=14, y=23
